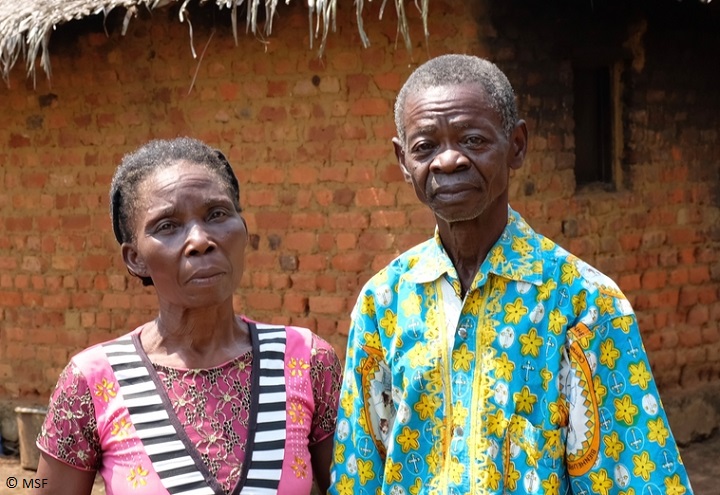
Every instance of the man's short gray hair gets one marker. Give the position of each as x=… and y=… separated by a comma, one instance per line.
x=457, y=69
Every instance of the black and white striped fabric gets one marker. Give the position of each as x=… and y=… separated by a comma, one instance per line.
x=268, y=450
x=167, y=445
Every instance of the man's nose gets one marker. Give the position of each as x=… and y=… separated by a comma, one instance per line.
x=449, y=161
x=198, y=240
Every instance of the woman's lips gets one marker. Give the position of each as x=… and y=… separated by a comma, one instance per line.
x=205, y=276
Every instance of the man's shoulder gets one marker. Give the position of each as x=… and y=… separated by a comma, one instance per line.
x=403, y=263
x=408, y=259
x=586, y=273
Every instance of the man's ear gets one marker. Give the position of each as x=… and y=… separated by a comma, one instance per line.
x=400, y=154
x=133, y=261
x=518, y=145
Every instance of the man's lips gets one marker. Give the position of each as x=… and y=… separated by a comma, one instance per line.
x=449, y=189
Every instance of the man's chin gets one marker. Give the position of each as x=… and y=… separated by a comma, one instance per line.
x=457, y=213
x=458, y=217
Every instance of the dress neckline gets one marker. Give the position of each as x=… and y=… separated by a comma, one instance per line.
x=182, y=435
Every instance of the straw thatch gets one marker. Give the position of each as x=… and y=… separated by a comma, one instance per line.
x=26, y=25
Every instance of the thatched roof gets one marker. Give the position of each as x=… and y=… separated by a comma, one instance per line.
x=26, y=25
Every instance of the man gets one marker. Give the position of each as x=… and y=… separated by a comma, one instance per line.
x=488, y=359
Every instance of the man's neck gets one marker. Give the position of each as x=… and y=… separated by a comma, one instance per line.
x=468, y=243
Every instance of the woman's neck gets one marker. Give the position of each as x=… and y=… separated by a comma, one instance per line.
x=195, y=338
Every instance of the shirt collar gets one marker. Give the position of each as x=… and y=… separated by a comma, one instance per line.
x=516, y=255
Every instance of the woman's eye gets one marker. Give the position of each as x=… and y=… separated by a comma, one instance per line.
x=164, y=227
x=217, y=214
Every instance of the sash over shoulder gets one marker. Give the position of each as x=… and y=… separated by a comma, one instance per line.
x=173, y=457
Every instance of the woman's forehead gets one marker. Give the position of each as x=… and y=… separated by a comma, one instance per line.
x=179, y=170
x=180, y=176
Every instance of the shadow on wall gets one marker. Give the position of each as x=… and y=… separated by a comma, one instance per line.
x=694, y=415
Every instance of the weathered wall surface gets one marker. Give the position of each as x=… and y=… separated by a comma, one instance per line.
x=325, y=202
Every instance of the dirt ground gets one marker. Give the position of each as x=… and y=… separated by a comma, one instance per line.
x=702, y=460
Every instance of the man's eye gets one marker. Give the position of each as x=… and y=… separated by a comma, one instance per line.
x=474, y=140
x=423, y=146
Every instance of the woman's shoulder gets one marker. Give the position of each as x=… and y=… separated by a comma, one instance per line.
x=95, y=354
x=312, y=340
x=300, y=338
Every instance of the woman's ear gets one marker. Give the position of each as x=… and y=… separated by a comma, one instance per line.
x=133, y=260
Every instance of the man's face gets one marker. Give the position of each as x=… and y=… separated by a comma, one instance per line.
x=456, y=153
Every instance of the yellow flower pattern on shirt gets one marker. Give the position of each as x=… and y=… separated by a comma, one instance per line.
x=105, y=390
x=296, y=413
x=121, y=429
x=299, y=467
x=540, y=386
x=298, y=367
x=137, y=476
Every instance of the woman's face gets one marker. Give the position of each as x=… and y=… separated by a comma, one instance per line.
x=188, y=236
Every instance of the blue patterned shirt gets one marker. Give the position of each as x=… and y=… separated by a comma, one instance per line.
x=536, y=382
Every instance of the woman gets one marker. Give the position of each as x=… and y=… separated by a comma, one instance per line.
x=199, y=400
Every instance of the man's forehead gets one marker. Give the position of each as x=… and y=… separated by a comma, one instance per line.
x=450, y=87
x=423, y=104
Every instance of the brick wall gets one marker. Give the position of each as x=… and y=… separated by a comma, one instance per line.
x=674, y=164
x=324, y=200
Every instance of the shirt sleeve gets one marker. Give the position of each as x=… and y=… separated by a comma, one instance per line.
x=69, y=432
x=358, y=456
x=325, y=375
x=633, y=447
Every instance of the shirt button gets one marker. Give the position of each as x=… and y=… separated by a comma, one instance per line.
x=462, y=333
x=458, y=431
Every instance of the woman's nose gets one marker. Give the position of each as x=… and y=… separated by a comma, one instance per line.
x=198, y=241
x=449, y=161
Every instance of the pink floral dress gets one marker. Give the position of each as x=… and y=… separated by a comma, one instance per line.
x=244, y=427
